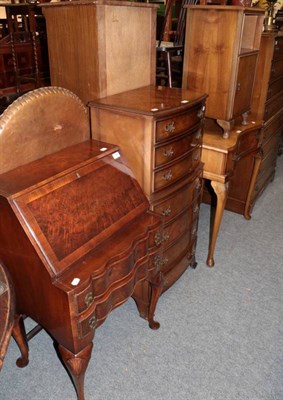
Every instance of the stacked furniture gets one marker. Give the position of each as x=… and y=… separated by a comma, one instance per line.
x=76, y=233
x=101, y=48
x=267, y=105
x=159, y=131
x=221, y=50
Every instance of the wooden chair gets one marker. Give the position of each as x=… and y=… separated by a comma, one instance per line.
x=170, y=51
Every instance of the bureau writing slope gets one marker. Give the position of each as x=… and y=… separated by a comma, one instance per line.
x=76, y=233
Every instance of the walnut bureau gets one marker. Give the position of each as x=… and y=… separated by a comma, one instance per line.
x=159, y=131
x=267, y=105
x=76, y=232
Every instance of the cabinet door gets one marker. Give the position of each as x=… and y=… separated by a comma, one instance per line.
x=244, y=85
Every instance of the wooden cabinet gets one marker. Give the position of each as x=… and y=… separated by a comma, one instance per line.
x=221, y=50
x=101, y=48
x=159, y=131
x=76, y=232
x=267, y=104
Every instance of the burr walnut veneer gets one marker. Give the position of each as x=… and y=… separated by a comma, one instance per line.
x=159, y=131
x=76, y=232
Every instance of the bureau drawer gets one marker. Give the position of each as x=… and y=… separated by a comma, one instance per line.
x=278, y=49
x=177, y=228
x=173, y=150
x=273, y=105
x=173, y=205
x=179, y=123
x=276, y=69
x=248, y=142
x=167, y=176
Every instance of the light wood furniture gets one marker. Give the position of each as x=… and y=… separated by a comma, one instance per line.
x=221, y=50
x=230, y=164
x=76, y=233
x=101, y=48
x=159, y=131
x=267, y=104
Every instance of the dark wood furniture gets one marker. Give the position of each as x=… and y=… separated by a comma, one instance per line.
x=159, y=131
x=23, y=50
x=221, y=49
x=231, y=166
x=267, y=105
x=76, y=232
x=10, y=323
x=101, y=48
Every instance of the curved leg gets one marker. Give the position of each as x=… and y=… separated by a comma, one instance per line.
x=221, y=191
x=247, y=211
x=156, y=289
x=226, y=126
x=76, y=364
x=19, y=334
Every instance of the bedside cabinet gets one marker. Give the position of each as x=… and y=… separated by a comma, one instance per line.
x=220, y=56
x=159, y=131
x=267, y=105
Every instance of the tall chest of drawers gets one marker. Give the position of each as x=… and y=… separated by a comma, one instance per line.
x=159, y=131
x=267, y=104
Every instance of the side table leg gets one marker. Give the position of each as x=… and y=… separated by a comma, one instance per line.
x=221, y=191
x=19, y=334
x=77, y=364
x=247, y=211
x=156, y=289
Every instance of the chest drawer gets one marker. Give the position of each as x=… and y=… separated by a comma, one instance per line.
x=171, y=173
x=175, y=204
x=278, y=49
x=178, y=124
x=273, y=105
x=271, y=144
x=177, y=228
x=275, y=87
x=276, y=69
x=274, y=125
x=173, y=150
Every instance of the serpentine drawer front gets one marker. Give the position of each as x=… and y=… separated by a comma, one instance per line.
x=159, y=131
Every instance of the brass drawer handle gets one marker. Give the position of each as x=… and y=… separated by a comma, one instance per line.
x=168, y=176
x=88, y=299
x=196, y=156
x=92, y=323
x=196, y=208
x=160, y=261
x=167, y=211
x=160, y=238
x=170, y=128
x=168, y=152
x=238, y=87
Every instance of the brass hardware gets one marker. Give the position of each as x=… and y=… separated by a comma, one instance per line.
x=168, y=152
x=158, y=238
x=167, y=211
x=238, y=87
x=168, y=176
x=170, y=128
x=200, y=113
x=160, y=261
x=196, y=156
x=198, y=134
x=88, y=299
x=92, y=323
x=196, y=208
